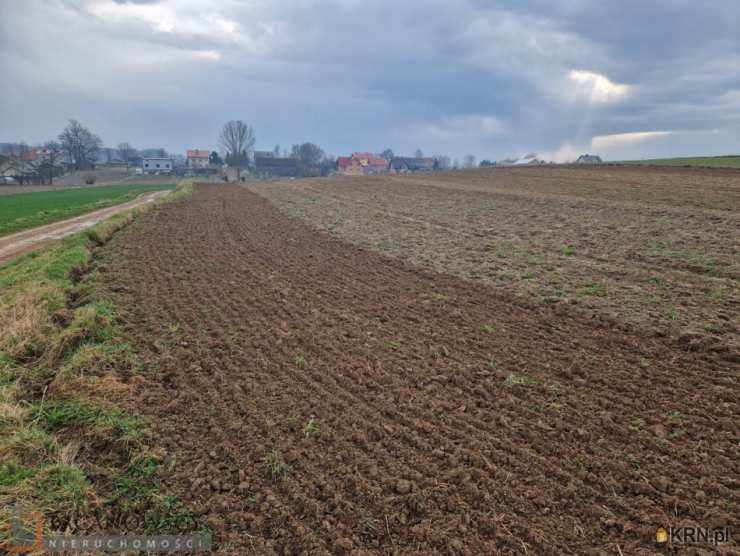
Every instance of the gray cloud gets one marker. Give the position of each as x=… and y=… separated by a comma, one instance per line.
x=493, y=78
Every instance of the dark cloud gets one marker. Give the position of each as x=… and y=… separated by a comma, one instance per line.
x=496, y=78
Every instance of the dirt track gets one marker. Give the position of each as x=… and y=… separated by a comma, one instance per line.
x=18, y=244
x=451, y=417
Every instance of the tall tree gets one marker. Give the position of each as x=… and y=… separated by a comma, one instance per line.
x=308, y=154
x=237, y=141
x=51, y=156
x=419, y=153
x=276, y=151
x=22, y=161
x=328, y=164
x=127, y=153
x=469, y=161
x=443, y=162
x=80, y=144
x=387, y=154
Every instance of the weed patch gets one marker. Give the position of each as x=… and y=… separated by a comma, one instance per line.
x=300, y=361
x=275, y=468
x=518, y=380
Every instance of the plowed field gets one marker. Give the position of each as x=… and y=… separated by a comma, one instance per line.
x=322, y=398
x=655, y=248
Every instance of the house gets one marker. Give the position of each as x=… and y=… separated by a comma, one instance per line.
x=371, y=163
x=361, y=163
x=589, y=159
x=403, y=164
x=529, y=160
x=273, y=166
x=268, y=154
x=349, y=166
x=157, y=165
x=197, y=159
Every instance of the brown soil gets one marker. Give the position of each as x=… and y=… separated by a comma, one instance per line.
x=325, y=399
x=658, y=249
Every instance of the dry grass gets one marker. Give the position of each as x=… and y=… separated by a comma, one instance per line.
x=60, y=358
x=26, y=325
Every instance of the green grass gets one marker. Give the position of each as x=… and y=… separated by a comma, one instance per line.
x=275, y=466
x=311, y=428
x=59, y=327
x=12, y=473
x=28, y=210
x=112, y=423
x=729, y=161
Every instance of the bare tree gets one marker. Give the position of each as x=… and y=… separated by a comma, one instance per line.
x=276, y=151
x=80, y=144
x=419, y=153
x=20, y=161
x=309, y=158
x=469, y=161
x=51, y=156
x=237, y=141
x=387, y=154
x=443, y=162
x=127, y=153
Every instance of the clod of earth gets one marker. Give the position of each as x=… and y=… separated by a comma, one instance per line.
x=398, y=467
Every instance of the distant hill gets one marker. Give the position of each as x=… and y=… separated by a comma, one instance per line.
x=727, y=161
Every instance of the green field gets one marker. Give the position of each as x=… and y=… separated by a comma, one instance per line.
x=28, y=210
x=730, y=161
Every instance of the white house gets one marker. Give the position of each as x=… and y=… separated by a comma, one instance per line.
x=157, y=165
x=198, y=159
x=589, y=159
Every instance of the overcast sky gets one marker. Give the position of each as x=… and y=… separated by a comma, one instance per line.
x=623, y=79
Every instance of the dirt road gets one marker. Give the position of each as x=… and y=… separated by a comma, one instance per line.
x=321, y=398
x=15, y=245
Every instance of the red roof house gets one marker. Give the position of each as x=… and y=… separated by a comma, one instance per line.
x=198, y=158
x=349, y=165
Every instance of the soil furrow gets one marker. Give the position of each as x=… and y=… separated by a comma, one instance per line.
x=252, y=325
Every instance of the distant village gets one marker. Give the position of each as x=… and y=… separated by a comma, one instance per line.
x=79, y=150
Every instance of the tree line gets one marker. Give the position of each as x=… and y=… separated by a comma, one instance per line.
x=237, y=140
x=78, y=148
x=75, y=148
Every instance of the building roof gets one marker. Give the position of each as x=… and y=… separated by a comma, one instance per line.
x=589, y=158
x=377, y=161
x=345, y=161
x=275, y=162
x=411, y=163
x=195, y=153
